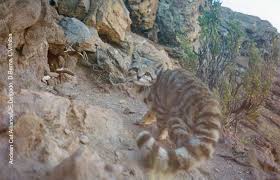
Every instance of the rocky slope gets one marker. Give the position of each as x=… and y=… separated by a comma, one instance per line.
x=271, y=115
x=254, y=29
x=263, y=34
x=261, y=135
x=90, y=135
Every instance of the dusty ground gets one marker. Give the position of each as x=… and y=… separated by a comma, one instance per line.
x=118, y=145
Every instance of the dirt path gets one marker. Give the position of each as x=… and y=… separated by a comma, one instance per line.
x=123, y=150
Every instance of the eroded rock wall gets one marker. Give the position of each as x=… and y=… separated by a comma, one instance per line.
x=33, y=31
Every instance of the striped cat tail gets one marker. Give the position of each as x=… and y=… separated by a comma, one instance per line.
x=155, y=156
x=192, y=150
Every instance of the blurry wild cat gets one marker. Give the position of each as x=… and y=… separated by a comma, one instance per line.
x=185, y=108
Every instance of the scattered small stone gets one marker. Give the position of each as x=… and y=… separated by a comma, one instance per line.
x=84, y=139
x=129, y=172
x=130, y=148
x=125, y=173
x=35, y=169
x=45, y=79
x=108, y=168
x=132, y=172
x=128, y=111
x=122, y=101
x=67, y=131
x=117, y=155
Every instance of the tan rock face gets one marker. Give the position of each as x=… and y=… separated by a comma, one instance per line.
x=143, y=13
x=84, y=165
x=42, y=110
x=33, y=30
x=28, y=139
x=45, y=105
x=112, y=20
x=30, y=12
x=96, y=120
x=41, y=139
x=40, y=117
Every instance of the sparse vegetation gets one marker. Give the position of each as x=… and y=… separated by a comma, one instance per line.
x=219, y=45
x=189, y=57
x=243, y=94
x=241, y=89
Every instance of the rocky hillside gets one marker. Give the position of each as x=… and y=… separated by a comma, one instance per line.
x=254, y=30
x=67, y=107
x=163, y=21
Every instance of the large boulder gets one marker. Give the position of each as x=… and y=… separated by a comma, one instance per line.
x=28, y=139
x=97, y=120
x=59, y=113
x=113, y=61
x=57, y=124
x=75, y=30
x=30, y=12
x=73, y=8
x=112, y=20
x=142, y=13
x=79, y=35
x=109, y=17
x=178, y=17
x=44, y=105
